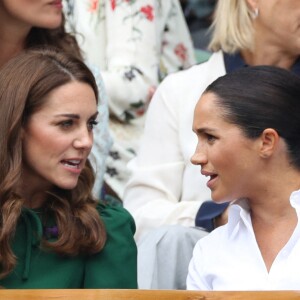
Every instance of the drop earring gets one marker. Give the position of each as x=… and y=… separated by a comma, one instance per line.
x=255, y=13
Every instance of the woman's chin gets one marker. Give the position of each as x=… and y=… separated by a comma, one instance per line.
x=68, y=186
x=219, y=199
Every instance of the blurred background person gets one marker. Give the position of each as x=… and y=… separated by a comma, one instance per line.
x=199, y=17
x=165, y=188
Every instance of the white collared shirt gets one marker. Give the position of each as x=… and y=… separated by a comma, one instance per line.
x=229, y=257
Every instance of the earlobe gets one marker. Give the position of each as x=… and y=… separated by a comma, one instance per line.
x=269, y=141
x=252, y=4
x=253, y=8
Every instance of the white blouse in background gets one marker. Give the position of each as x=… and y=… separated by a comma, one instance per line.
x=135, y=44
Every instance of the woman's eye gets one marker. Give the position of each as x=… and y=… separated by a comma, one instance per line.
x=66, y=124
x=210, y=138
x=92, y=124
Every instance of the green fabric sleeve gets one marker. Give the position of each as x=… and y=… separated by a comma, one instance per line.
x=116, y=265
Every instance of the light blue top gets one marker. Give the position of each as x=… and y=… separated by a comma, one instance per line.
x=102, y=137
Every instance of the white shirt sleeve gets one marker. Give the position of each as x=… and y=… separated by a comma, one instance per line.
x=154, y=190
x=165, y=188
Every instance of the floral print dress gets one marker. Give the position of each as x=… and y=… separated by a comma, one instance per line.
x=135, y=43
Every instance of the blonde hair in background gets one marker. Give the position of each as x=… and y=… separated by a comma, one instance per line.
x=232, y=28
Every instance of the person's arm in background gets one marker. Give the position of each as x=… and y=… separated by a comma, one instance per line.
x=165, y=188
x=130, y=41
x=153, y=193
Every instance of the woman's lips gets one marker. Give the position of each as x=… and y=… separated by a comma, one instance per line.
x=73, y=165
x=212, y=179
x=57, y=3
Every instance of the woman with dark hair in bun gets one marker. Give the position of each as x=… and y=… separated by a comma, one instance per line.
x=248, y=129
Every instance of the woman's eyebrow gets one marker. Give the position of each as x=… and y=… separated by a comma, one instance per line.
x=73, y=116
x=76, y=116
x=204, y=130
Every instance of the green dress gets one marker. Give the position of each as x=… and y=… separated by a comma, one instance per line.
x=114, y=267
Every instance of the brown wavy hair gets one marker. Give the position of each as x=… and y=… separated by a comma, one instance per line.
x=24, y=83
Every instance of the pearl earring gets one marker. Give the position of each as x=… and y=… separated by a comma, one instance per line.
x=255, y=13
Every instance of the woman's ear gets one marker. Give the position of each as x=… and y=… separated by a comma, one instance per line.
x=252, y=4
x=269, y=141
x=253, y=9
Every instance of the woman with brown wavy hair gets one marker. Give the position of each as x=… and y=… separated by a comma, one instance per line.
x=41, y=23
x=53, y=234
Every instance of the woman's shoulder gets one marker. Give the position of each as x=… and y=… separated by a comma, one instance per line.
x=115, y=217
x=201, y=71
x=116, y=264
x=210, y=243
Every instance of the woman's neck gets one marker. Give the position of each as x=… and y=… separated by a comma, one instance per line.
x=268, y=50
x=269, y=57
x=34, y=193
x=8, y=51
x=35, y=201
x=274, y=219
x=272, y=201
x=12, y=41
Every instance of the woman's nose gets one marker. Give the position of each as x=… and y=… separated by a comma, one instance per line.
x=84, y=139
x=199, y=157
